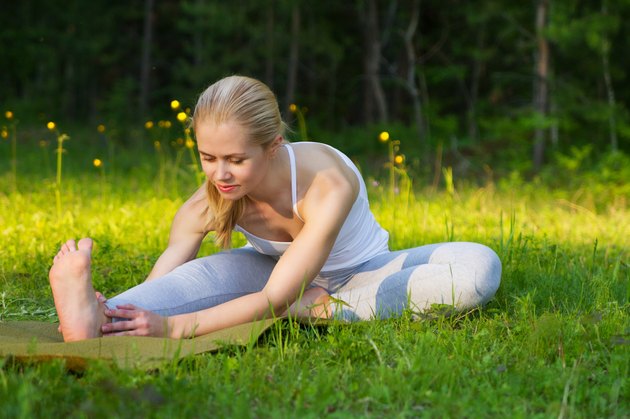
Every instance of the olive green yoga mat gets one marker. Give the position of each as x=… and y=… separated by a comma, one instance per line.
x=39, y=341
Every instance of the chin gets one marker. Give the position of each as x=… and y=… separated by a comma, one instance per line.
x=230, y=198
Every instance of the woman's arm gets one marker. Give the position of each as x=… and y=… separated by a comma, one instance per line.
x=187, y=233
x=325, y=208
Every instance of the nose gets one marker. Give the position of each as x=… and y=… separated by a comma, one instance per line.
x=222, y=171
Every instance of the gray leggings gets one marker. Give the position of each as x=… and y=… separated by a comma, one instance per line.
x=460, y=274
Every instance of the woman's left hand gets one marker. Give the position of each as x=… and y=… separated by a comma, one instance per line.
x=139, y=322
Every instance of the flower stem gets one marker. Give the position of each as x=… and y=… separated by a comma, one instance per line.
x=60, y=139
x=14, y=157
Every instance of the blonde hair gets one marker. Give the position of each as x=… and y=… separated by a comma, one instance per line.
x=251, y=104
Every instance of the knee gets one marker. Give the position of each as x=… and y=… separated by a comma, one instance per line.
x=488, y=272
x=477, y=260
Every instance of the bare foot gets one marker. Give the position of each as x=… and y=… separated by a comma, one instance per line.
x=80, y=313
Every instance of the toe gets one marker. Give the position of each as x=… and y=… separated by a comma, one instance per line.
x=86, y=244
x=71, y=244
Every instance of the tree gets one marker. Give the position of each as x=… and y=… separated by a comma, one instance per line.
x=610, y=91
x=145, y=65
x=373, y=91
x=540, y=81
x=411, y=83
x=294, y=53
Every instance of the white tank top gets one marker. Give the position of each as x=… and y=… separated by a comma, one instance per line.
x=360, y=238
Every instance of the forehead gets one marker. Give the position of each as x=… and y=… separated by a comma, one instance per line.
x=222, y=138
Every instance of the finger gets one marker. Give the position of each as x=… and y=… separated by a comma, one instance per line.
x=117, y=327
x=122, y=313
x=100, y=297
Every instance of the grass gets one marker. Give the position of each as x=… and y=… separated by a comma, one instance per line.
x=553, y=343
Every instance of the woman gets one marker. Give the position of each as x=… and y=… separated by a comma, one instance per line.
x=303, y=208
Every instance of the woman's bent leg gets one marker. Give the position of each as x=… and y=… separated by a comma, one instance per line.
x=463, y=275
x=201, y=283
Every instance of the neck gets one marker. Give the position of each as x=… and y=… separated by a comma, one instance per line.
x=274, y=184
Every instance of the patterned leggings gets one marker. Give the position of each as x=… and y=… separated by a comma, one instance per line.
x=460, y=274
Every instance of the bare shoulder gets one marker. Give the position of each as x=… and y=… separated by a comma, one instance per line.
x=324, y=178
x=321, y=163
x=192, y=215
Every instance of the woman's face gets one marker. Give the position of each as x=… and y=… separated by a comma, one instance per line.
x=229, y=160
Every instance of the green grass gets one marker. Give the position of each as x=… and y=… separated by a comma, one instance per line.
x=553, y=343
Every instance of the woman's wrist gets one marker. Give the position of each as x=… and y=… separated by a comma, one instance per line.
x=175, y=329
x=183, y=326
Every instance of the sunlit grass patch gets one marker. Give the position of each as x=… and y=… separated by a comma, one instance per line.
x=555, y=338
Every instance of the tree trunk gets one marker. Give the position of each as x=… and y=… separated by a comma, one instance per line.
x=610, y=92
x=293, y=57
x=412, y=86
x=145, y=65
x=540, y=81
x=555, y=129
x=373, y=90
x=473, y=129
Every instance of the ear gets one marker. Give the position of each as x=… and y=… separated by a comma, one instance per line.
x=275, y=145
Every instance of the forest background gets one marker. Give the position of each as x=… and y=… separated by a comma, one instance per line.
x=489, y=88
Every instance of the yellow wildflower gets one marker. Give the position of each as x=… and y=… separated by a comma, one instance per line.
x=148, y=124
x=157, y=145
x=399, y=159
x=174, y=104
x=187, y=131
x=4, y=133
x=167, y=124
x=293, y=108
x=383, y=136
x=181, y=117
x=101, y=128
x=180, y=141
x=97, y=163
x=51, y=125
x=190, y=143
x=8, y=114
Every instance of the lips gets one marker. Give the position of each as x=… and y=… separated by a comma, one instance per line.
x=226, y=188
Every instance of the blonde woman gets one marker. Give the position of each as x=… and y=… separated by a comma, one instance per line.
x=304, y=210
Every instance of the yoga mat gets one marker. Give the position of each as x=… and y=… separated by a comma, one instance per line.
x=28, y=341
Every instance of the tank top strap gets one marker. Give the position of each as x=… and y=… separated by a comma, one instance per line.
x=293, y=179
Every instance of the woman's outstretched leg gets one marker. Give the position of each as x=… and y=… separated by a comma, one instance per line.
x=201, y=283
x=212, y=280
x=80, y=313
x=462, y=275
